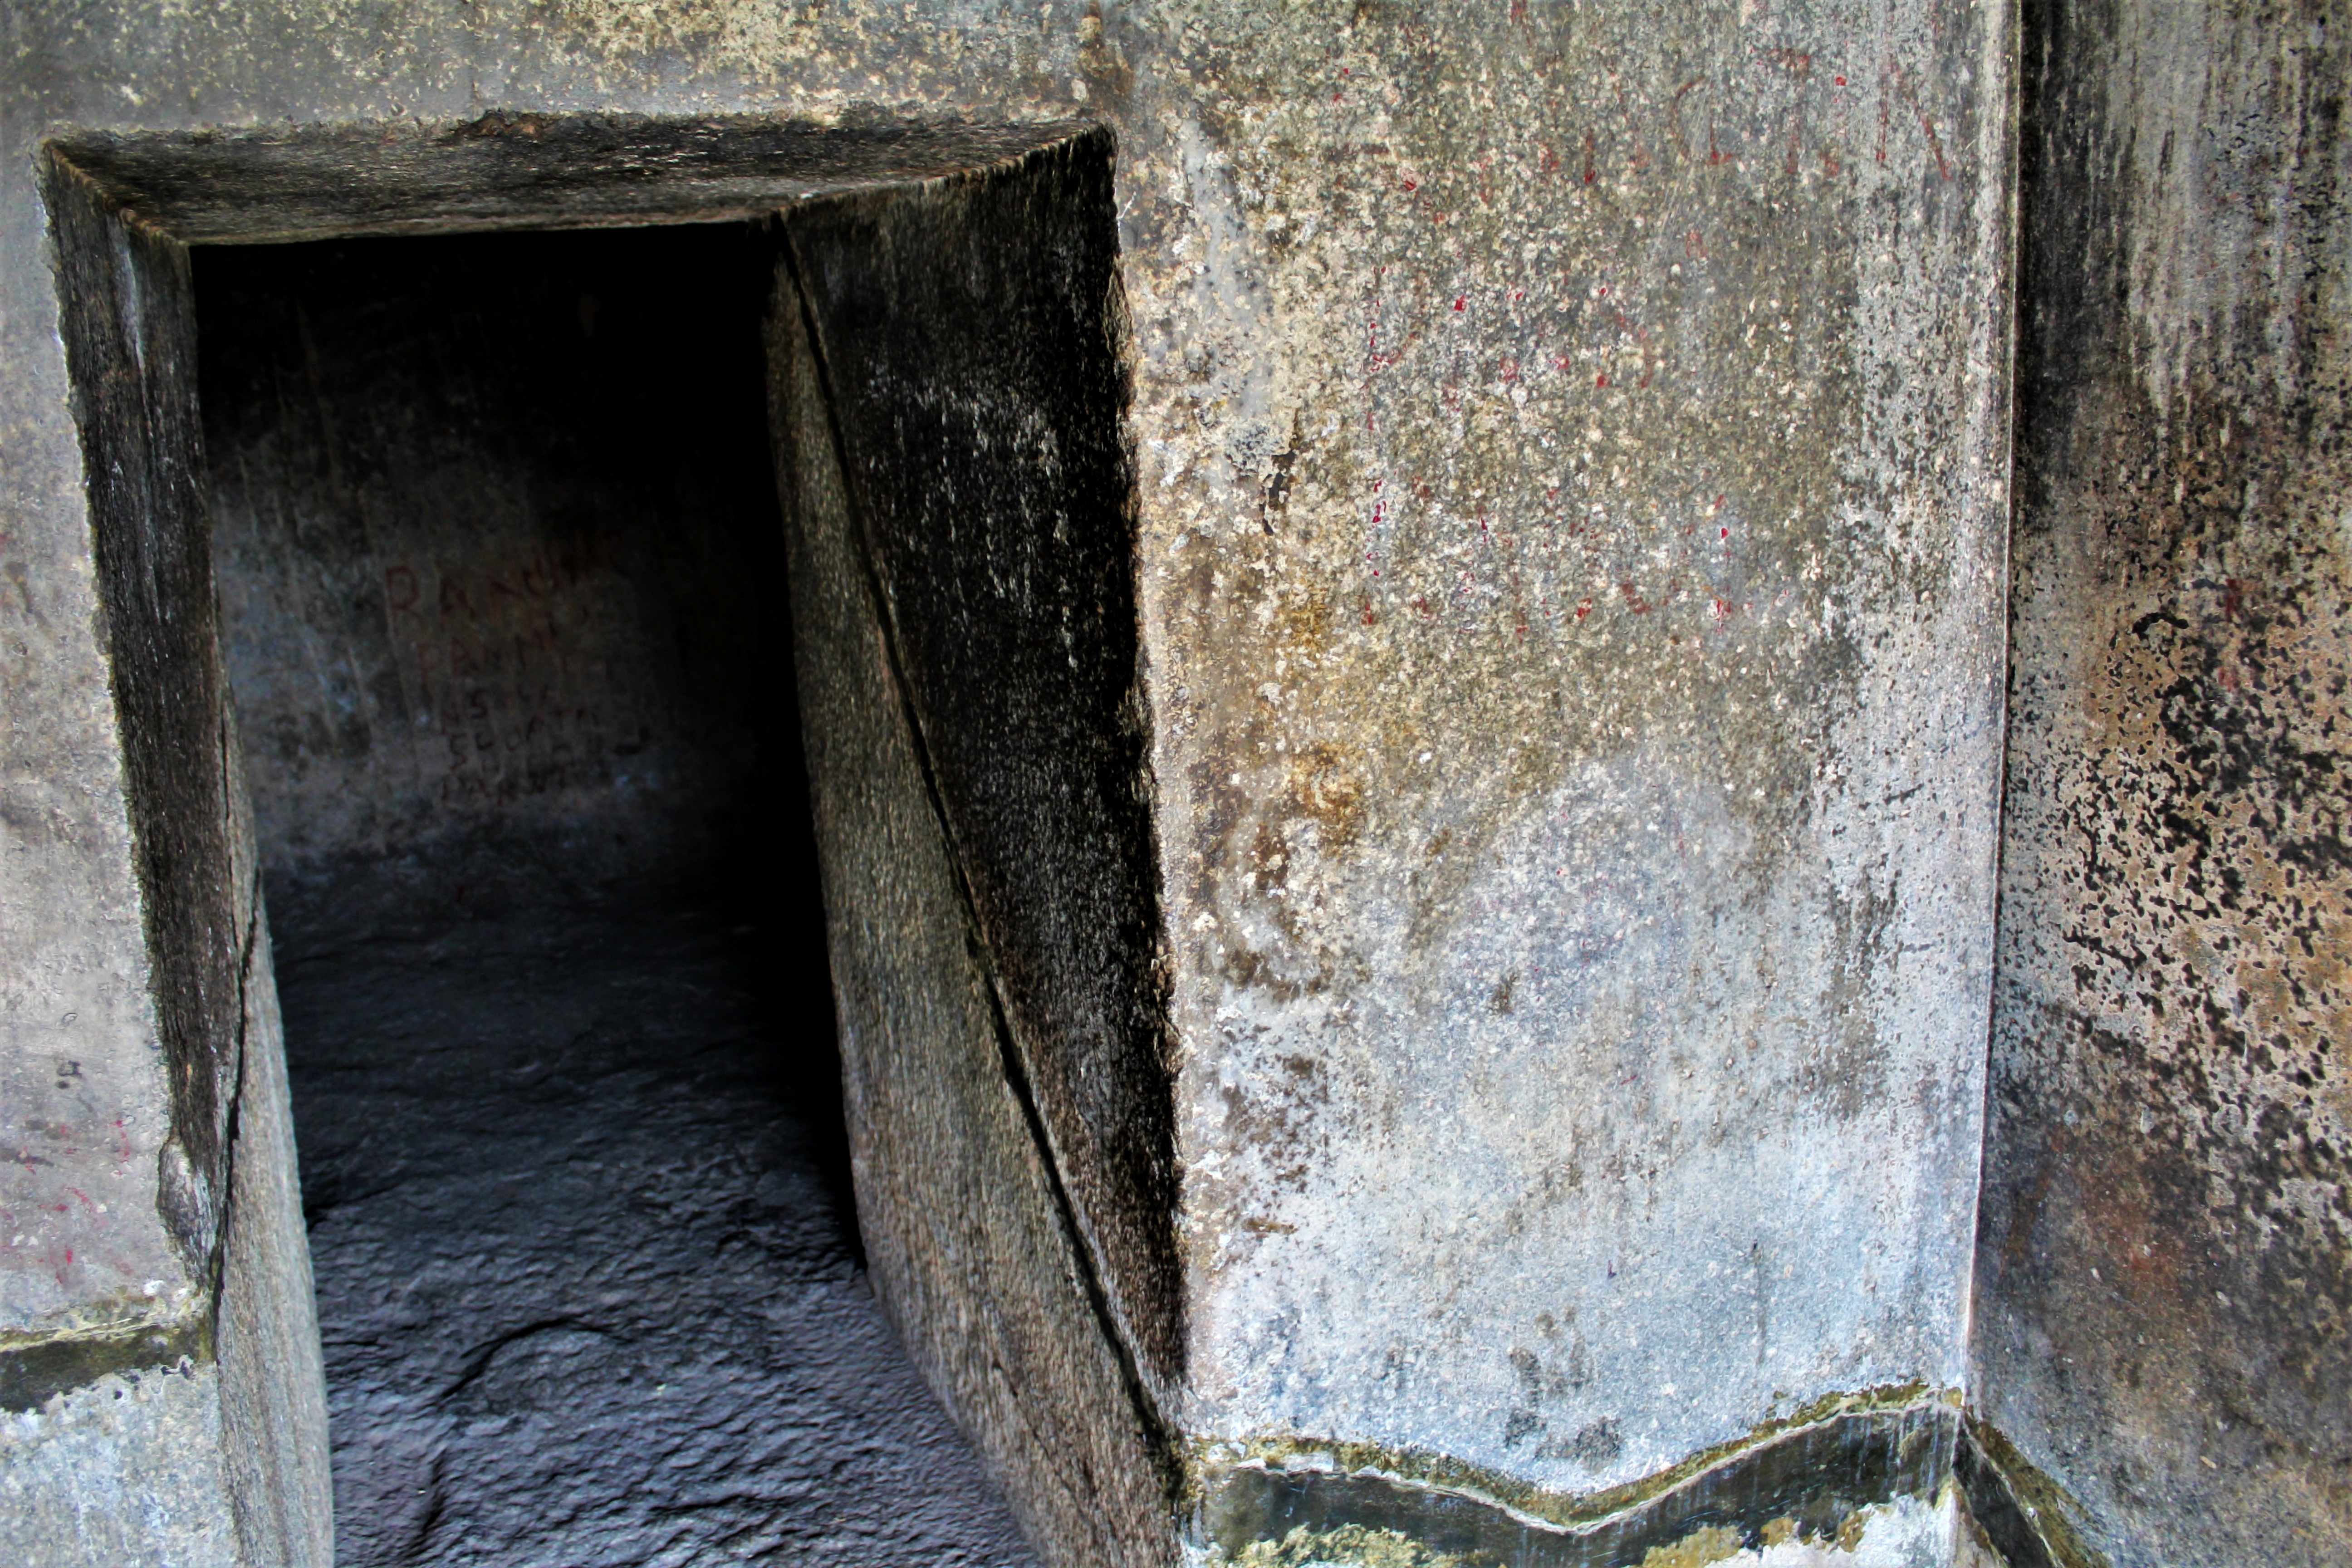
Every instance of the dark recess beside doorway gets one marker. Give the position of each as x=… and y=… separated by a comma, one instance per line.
x=504, y=613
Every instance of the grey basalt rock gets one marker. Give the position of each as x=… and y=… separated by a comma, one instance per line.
x=1412, y=800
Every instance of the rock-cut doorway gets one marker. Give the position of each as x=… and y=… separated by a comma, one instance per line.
x=536, y=555
x=503, y=608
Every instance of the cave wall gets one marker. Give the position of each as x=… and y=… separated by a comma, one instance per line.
x=2165, y=1265
x=970, y=335
x=1570, y=461
x=159, y=1366
x=1005, y=1299
x=1573, y=590
x=499, y=560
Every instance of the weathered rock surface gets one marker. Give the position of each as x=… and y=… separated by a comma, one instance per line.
x=1569, y=459
x=2164, y=1317
x=588, y=1279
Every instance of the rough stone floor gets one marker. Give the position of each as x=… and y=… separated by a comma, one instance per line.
x=587, y=1279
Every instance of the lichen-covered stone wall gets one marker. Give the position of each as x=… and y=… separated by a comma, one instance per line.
x=2164, y=1278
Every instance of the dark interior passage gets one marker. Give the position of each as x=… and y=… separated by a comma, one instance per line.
x=503, y=607
x=498, y=550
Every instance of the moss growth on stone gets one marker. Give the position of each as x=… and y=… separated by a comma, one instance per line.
x=1349, y=1546
x=1439, y=1470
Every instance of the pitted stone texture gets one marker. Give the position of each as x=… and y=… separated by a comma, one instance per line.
x=194, y=1228
x=506, y=172
x=273, y=1383
x=2164, y=1318
x=586, y=1274
x=117, y=1122
x=124, y=1473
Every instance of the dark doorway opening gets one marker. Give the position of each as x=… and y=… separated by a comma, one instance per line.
x=503, y=608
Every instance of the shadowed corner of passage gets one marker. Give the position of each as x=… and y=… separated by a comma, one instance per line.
x=504, y=603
